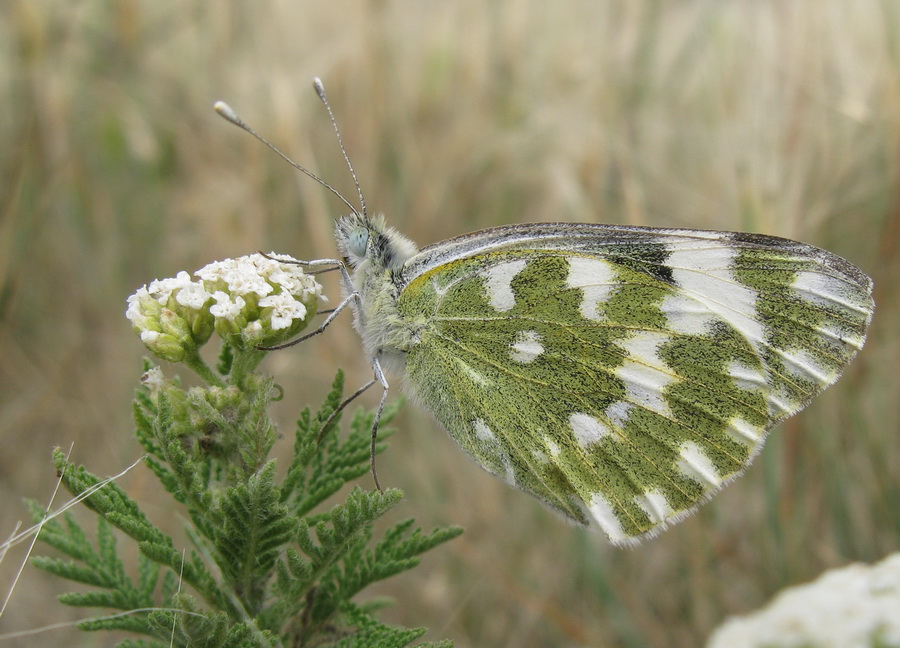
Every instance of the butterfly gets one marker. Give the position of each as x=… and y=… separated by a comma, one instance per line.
x=621, y=375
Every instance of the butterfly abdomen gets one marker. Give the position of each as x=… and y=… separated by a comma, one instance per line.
x=385, y=334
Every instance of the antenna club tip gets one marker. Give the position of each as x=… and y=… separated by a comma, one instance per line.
x=225, y=111
x=319, y=86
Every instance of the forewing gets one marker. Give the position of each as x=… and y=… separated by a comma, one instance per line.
x=623, y=375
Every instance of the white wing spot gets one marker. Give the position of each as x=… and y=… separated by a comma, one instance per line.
x=510, y=476
x=618, y=413
x=780, y=405
x=686, y=315
x=552, y=446
x=743, y=432
x=483, y=432
x=799, y=363
x=499, y=283
x=602, y=512
x=644, y=373
x=705, y=275
x=836, y=339
x=745, y=377
x=526, y=347
x=655, y=505
x=694, y=463
x=472, y=373
x=596, y=279
x=587, y=429
x=824, y=291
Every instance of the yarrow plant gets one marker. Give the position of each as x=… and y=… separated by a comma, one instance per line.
x=857, y=606
x=268, y=565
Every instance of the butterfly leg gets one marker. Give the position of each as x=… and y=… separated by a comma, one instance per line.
x=380, y=377
x=340, y=408
x=353, y=296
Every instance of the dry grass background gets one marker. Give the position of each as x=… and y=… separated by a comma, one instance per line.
x=761, y=115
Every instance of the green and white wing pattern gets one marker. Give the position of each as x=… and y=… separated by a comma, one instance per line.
x=624, y=375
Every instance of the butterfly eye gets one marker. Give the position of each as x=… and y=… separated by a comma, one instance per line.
x=358, y=241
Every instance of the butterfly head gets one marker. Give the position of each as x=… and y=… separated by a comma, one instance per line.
x=363, y=240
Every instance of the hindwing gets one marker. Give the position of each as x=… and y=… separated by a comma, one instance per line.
x=623, y=375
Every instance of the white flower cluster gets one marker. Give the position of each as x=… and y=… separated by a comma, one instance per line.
x=282, y=289
x=252, y=301
x=854, y=607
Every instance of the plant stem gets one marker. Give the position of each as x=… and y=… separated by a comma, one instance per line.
x=244, y=362
x=198, y=366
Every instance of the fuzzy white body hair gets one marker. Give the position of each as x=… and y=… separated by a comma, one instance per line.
x=376, y=254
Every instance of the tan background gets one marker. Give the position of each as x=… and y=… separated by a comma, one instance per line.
x=760, y=115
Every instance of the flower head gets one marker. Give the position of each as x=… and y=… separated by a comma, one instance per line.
x=260, y=300
x=251, y=301
x=853, y=606
x=171, y=316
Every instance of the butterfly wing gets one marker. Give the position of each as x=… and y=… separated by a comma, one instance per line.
x=622, y=375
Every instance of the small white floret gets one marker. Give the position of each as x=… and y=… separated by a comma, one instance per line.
x=225, y=306
x=135, y=311
x=193, y=295
x=154, y=379
x=253, y=330
x=162, y=289
x=285, y=309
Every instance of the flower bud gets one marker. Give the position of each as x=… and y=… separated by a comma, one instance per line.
x=171, y=316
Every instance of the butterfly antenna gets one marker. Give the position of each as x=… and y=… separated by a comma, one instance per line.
x=227, y=113
x=320, y=90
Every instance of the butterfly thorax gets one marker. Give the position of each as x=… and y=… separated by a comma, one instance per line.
x=376, y=255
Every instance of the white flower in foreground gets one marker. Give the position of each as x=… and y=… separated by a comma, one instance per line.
x=857, y=606
x=252, y=301
x=171, y=316
x=283, y=310
x=260, y=300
